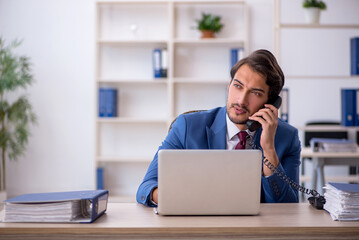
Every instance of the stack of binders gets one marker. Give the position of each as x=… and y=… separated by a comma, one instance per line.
x=342, y=201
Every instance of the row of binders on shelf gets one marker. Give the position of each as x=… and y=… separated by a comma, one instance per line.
x=160, y=60
x=350, y=107
x=107, y=104
x=354, y=56
x=342, y=201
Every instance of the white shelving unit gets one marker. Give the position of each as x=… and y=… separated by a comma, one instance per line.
x=198, y=74
x=299, y=64
x=317, y=33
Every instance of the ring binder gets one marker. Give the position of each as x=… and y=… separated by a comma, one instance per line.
x=75, y=206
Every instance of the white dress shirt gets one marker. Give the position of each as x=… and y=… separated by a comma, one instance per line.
x=232, y=137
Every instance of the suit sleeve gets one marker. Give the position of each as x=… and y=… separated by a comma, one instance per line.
x=276, y=190
x=174, y=140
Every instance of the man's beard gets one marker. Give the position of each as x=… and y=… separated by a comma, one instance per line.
x=234, y=120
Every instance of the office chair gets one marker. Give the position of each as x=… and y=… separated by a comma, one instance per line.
x=192, y=111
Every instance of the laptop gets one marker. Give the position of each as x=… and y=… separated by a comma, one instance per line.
x=209, y=182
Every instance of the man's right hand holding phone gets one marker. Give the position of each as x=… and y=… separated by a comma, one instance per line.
x=268, y=118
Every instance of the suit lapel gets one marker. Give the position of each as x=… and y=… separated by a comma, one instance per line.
x=216, y=134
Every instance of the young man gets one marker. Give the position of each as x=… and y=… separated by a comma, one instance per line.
x=256, y=81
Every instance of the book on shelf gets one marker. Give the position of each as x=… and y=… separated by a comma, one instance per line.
x=164, y=63
x=236, y=55
x=160, y=62
x=350, y=107
x=101, y=102
x=354, y=56
x=333, y=145
x=342, y=201
x=75, y=206
x=284, y=109
x=107, y=102
x=100, y=177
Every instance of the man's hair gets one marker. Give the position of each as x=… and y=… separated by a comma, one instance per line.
x=264, y=63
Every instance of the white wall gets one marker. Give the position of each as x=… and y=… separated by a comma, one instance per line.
x=59, y=37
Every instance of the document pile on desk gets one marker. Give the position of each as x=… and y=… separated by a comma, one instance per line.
x=342, y=201
x=77, y=206
x=333, y=145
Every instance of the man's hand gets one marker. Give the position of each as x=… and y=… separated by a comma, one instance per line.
x=268, y=118
x=154, y=196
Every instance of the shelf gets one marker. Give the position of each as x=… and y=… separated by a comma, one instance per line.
x=300, y=25
x=348, y=178
x=322, y=128
x=323, y=77
x=124, y=159
x=214, y=41
x=132, y=42
x=125, y=2
x=209, y=1
x=200, y=81
x=308, y=153
x=130, y=120
x=134, y=81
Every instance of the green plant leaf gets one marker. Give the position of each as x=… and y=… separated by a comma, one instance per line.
x=15, y=117
x=315, y=4
x=209, y=22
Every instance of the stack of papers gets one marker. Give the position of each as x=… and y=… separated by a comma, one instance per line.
x=77, y=206
x=333, y=145
x=46, y=212
x=342, y=201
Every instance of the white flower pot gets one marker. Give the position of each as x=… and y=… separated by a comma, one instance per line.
x=312, y=15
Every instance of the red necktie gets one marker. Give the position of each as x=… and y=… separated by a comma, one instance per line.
x=242, y=140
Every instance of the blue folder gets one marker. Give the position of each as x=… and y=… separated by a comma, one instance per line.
x=102, y=102
x=93, y=204
x=156, y=59
x=346, y=187
x=348, y=107
x=354, y=56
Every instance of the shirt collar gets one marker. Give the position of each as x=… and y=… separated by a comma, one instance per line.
x=232, y=129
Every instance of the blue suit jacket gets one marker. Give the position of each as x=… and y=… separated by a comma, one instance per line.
x=207, y=130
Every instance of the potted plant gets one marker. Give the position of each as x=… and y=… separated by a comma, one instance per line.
x=15, y=113
x=209, y=25
x=313, y=8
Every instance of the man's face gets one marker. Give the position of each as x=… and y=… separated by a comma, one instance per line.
x=247, y=93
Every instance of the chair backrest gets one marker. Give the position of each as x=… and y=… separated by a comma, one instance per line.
x=192, y=111
x=308, y=135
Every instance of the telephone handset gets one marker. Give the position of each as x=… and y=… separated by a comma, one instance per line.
x=254, y=125
x=316, y=200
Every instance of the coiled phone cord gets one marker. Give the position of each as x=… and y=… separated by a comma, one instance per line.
x=316, y=200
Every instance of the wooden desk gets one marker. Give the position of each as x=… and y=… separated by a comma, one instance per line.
x=320, y=159
x=134, y=221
